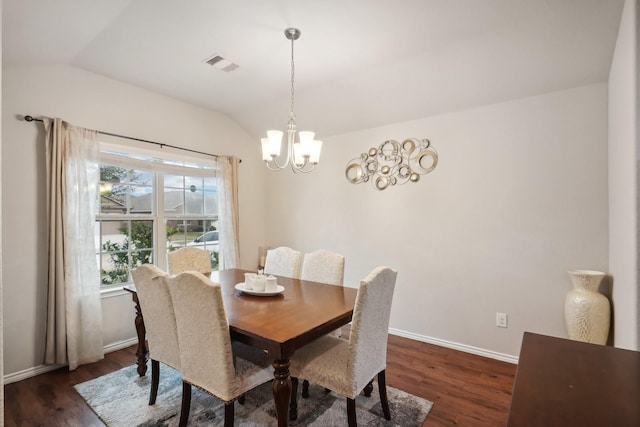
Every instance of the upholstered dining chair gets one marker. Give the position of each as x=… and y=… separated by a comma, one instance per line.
x=323, y=266
x=347, y=367
x=283, y=261
x=152, y=288
x=189, y=259
x=326, y=267
x=208, y=358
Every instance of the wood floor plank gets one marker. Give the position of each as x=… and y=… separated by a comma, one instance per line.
x=467, y=390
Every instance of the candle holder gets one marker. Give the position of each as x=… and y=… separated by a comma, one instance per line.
x=262, y=256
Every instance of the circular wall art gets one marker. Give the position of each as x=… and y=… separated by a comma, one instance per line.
x=393, y=163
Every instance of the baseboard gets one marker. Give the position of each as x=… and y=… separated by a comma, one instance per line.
x=28, y=373
x=120, y=345
x=456, y=346
x=32, y=372
x=43, y=369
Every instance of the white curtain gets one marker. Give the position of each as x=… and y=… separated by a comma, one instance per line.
x=228, y=219
x=74, y=311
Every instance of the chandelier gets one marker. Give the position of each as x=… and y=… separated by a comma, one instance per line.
x=303, y=155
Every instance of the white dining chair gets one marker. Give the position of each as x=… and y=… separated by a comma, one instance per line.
x=347, y=367
x=209, y=360
x=152, y=288
x=189, y=259
x=283, y=261
x=323, y=266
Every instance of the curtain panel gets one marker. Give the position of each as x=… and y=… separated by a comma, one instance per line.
x=74, y=310
x=229, y=212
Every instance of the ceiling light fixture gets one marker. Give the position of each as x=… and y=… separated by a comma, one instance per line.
x=302, y=155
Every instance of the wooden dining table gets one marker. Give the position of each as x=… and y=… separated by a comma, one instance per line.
x=279, y=324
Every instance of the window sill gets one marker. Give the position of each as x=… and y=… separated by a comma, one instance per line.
x=114, y=291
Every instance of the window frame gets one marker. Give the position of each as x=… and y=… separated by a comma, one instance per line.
x=158, y=163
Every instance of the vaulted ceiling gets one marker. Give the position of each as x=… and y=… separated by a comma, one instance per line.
x=359, y=63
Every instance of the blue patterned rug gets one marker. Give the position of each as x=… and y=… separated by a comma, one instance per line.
x=121, y=399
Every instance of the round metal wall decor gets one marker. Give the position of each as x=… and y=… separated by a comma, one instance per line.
x=393, y=163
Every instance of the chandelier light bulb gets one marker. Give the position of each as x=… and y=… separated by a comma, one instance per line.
x=314, y=158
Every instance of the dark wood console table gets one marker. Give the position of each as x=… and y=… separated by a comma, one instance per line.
x=562, y=383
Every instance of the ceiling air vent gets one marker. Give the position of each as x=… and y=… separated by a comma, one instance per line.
x=221, y=63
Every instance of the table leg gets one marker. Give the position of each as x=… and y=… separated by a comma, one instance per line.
x=281, y=390
x=293, y=403
x=141, y=352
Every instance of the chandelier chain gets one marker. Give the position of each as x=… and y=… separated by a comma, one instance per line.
x=292, y=76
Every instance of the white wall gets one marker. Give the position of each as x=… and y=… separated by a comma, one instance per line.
x=623, y=171
x=518, y=198
x=92, y=101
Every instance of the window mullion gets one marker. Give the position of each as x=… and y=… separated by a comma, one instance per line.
x=161, y=223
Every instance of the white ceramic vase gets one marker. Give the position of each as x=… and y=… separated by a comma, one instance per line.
x=587, y=312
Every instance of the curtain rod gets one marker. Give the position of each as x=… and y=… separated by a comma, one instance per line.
x=161, y=144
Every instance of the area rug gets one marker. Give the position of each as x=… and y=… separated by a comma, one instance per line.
x=121, y=399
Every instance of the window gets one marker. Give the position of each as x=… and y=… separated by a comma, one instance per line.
x=191, y=213
x=150, y=206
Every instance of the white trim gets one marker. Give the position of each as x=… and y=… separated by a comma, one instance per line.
x=31, y=372
x=154, y=158
x=456, y=346
x=43, y=369
x=114, y=291
x=121, y=344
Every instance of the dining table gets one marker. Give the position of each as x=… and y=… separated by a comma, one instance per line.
x=300, y=312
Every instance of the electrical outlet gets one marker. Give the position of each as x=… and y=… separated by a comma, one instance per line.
x=501, y=320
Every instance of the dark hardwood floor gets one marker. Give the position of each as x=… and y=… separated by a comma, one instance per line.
x=467, y=390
